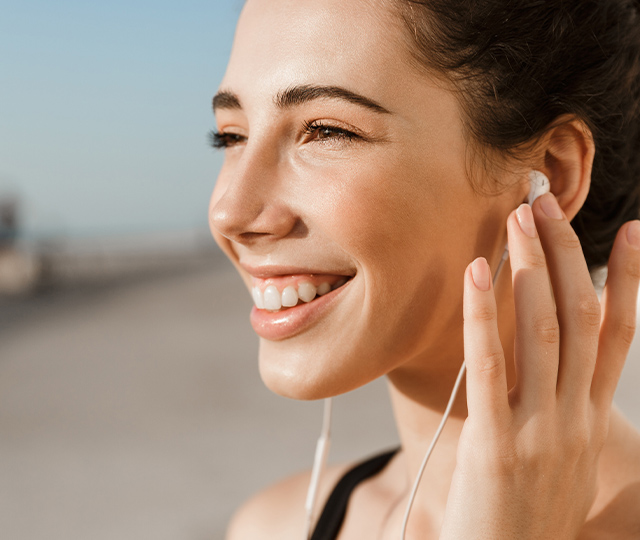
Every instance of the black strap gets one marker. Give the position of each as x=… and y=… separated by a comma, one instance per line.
x=333, y=513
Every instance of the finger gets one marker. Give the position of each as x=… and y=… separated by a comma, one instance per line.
x=537, y=334
x=577, y=305
x=486, y=373
x=619, y=301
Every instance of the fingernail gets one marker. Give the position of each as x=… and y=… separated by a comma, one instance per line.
x=633, y=233
x=550, y=206
x=525, y=219
x=481, y=274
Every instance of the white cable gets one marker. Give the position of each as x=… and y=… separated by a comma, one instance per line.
x=445, y=416
x=539, y=184
x=319, y=464
x=322, y=446
x=430, y=450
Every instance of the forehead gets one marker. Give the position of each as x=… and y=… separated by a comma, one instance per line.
x=353, y=43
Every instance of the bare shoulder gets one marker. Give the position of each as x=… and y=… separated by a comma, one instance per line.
x=616, y=514
x=278, y=511
x=619, y=519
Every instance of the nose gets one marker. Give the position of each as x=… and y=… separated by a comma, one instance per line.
x=248, y=203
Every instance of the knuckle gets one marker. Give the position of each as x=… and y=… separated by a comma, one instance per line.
x=539, y=457
x=625, y=328
x=627, y=333
x=568, y=240
x=546, y=329
x=483, y=313
x=509, y=460
x=632, y=269
x=535, y=260
x=490, y=364
x=587, y=313
x=580, y=440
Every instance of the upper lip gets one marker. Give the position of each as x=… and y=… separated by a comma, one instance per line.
x=273, y=270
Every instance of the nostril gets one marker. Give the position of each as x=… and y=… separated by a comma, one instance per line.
x=299, y=229
x=252, y=236
x=268, y=222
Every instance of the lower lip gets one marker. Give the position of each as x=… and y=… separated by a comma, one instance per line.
x=279, y=325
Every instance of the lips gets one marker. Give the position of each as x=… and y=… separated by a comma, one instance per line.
x=286, y=303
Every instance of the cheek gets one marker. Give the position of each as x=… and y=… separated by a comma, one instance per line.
x=394, y=221
x=390, y=212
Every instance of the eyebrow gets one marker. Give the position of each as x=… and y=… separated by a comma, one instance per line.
x=298, y=95
x=225, y=99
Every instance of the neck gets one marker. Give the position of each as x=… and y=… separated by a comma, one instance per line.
x=416, y=427
x=420, y=392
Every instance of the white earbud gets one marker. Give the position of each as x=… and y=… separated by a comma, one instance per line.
x=539, y=186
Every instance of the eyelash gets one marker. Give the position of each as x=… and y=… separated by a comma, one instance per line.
x=221, y=140
x=330, y=132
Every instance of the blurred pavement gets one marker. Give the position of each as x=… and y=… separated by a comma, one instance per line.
x=135, y=411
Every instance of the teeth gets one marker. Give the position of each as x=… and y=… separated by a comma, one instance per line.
x=271, y=299
x=289, y=297
x=306, y=292
x=258, y=299
x=323, y=288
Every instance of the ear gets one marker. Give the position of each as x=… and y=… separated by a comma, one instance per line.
x=568, y=150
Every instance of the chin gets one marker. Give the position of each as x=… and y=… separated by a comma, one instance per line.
x=306, y=376
x=290, y=387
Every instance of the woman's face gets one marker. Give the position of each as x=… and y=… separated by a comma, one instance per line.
x=344, y=162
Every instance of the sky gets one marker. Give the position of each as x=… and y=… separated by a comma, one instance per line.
x=105, y=109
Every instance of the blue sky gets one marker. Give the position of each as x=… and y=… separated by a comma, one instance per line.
x=105, y=109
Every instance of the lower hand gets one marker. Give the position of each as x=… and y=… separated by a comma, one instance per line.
x=527, y=457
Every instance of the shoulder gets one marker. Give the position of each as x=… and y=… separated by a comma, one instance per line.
x=619, y=520
x=278, y=511
x=615, y=514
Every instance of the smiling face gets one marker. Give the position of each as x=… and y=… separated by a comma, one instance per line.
x=346, y=169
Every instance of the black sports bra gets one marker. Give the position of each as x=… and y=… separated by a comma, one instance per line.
x=333, y=513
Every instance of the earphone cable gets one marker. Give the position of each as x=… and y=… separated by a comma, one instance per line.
x=319, y=464
x=539, y=184
x=445, y=417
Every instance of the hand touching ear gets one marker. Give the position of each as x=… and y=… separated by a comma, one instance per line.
x=527, y=457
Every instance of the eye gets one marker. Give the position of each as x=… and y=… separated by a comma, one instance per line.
x=220, y=139
x=320, y=131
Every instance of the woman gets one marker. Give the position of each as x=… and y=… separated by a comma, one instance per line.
x=374, y=151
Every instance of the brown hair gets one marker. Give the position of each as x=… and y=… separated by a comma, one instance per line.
x=520, y=65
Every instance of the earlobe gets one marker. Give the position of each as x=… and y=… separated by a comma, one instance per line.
x=568, y=159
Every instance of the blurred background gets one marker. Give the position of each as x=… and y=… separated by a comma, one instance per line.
x=130, y=401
